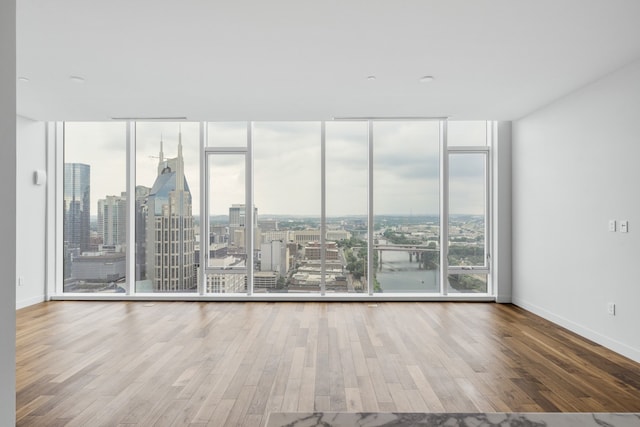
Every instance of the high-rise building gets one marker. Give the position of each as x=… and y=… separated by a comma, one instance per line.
x=112, y=220
x=170, y=236
x=237, y=222
x=77, y=199
x=77, y=204
x=237, y=216
x=274, y=257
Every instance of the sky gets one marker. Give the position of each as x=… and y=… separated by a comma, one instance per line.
x=287, y=162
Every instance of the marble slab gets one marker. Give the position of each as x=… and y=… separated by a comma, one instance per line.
x=405, y=419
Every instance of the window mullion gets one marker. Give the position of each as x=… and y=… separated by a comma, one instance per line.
x=204, y=212
x=249, y=209
x=370, y=252
x=444, y=208
x=323, y=210
x=130, y=208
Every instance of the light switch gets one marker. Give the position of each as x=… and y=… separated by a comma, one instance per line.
x=624, y=226
x=612, y=225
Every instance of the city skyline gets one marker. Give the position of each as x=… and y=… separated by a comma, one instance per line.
x=286, y=172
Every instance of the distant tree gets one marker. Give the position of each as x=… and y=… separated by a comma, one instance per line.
x=467, y=283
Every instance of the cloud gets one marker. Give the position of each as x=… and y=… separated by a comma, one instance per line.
x=103, y=146
x=470, y=165
x=467, y=183
x=287, y=164
x=226, y=134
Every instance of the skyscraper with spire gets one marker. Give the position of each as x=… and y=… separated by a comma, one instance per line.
x=170, y=236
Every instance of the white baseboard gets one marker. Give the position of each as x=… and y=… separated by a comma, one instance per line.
x=29, y=301
x=611, y=344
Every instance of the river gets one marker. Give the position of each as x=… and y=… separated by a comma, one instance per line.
x=398, y=274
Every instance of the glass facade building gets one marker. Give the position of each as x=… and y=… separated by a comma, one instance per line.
x=76, y=214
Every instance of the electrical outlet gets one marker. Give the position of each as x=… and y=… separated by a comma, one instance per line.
x=612, y=225
x=20, y=281
x=611, y=308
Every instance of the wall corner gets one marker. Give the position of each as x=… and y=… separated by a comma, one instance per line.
x=501, y=212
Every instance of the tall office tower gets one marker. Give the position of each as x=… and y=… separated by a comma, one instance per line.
x=77, y=199
x=237, y=222
x=170, y=236
x=112, y=220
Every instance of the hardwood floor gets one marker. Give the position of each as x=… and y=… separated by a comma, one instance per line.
x=218, y=364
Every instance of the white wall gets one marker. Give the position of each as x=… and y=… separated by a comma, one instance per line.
x=576, y=165
x=501, y=238
x=31, y=208
x=8, y=213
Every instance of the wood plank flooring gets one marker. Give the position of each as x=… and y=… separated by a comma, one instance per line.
x=218, y=364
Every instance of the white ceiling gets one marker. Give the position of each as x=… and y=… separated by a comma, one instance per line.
x=308, y=60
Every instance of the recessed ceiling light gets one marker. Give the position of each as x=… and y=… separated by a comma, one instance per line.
x=77, y=79
x=426, y=79
x=23, y=79
x=371, y=78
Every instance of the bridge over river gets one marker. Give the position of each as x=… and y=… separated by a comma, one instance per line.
x=417, y=251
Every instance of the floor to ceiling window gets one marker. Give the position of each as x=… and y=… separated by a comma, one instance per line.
x=346, y=189
x=287, y=199
x=225, y=254
x=167, y=199
x=467, y=207
x=468, y=183
x=406, y=206
x=297, y=208
x=94, y=208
